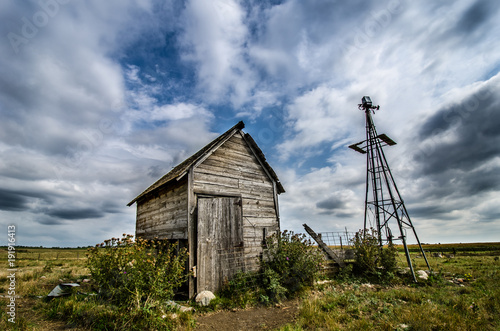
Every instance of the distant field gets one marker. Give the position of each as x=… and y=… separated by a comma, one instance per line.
x=46, y=254
x=459, y=248
x=43, y=254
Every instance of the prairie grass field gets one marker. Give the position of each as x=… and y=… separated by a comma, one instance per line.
x=462, y=293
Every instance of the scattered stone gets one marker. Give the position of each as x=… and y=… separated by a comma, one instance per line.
x=403, y=271
x=178, y=307
x=43, y=277
x=203, y=298
x=321, y=282
x=62, y=289
x=172, y=316
x=450, y=256
x=403, y=326
x=86, y=280
x=422, y=274
x=439, y=255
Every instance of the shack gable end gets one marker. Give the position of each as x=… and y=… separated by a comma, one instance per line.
x=233, y=169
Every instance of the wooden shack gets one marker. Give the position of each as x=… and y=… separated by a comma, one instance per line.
x=220, y=203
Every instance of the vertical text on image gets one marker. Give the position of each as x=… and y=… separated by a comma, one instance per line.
x=11, y=260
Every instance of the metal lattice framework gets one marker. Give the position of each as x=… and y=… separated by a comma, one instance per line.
x=383, y=203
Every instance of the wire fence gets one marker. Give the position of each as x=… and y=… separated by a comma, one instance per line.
x=337, y=240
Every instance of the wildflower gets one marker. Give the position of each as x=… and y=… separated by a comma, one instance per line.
x=287, y=258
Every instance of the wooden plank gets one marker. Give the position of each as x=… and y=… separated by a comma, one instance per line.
x=169, y=235
x=246, y=193
x=216, y=189
x=258, y=203
x=214, y=179
x=237, y=146
x=234, y=172
x=165, y=226
x=259, y=222
x=323, y=246
x=224, y=161
x=259, y=213
x=234, y=159
x=191, y=233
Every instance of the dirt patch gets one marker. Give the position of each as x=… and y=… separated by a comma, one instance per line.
x=260, y=318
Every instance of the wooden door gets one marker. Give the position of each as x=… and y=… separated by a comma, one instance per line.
x=220, y=241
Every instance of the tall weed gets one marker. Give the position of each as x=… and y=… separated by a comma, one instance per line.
x=137, y=273
x=290, y=262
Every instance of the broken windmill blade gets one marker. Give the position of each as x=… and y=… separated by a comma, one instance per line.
x=383, y=200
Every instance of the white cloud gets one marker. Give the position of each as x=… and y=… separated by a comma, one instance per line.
x=214, y=38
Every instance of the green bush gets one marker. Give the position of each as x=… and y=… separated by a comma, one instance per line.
x=372, y=260
x=137, y=273
x=242, y=289
x=367, y=251
x=289, y=263
x=388, y=260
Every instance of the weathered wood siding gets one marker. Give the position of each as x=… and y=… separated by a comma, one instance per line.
x=164, y=215
x=234, y=170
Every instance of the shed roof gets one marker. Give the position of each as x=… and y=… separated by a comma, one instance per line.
x=181, y=170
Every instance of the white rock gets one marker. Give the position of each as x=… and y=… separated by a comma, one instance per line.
x=203, y=298
x=422, y=274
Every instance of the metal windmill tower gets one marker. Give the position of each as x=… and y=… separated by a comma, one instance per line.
x=383, y=203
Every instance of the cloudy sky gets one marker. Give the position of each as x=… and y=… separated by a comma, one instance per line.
x=98, y=99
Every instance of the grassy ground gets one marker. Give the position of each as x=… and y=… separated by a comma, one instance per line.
x=462, y=295
x=39, y=270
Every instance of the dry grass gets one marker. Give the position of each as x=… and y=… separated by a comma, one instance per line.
x=38, y=272
x=442, y=303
